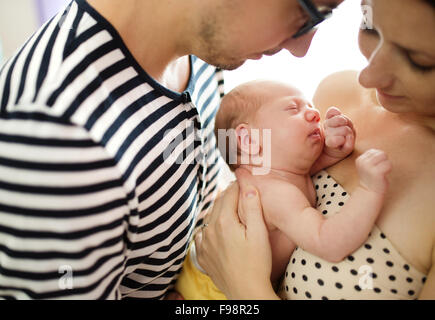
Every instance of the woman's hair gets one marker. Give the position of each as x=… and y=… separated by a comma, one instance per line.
x=431, y=2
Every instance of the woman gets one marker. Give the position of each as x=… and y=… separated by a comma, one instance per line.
x=393, y=108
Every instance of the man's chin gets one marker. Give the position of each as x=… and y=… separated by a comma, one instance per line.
x=229, y=66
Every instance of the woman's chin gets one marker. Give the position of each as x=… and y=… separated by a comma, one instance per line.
x=393, y=104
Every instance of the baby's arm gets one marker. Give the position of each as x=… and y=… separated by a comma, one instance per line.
x=335, y=238
x=282, y=249
x=339, y=139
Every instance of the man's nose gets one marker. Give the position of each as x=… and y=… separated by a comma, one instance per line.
x=299, y=47
x=312, y=115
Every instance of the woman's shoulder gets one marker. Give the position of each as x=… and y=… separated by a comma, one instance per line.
x=340, y=89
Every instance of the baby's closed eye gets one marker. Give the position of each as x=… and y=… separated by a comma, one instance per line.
x=292, y=106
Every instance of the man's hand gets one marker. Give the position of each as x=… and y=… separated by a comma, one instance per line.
x=237, y=257
x=339, y=134
x=173, y=295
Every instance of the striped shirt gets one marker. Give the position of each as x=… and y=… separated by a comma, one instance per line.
x=103, y=171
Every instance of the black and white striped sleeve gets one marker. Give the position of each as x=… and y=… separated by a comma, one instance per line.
x=64, y=212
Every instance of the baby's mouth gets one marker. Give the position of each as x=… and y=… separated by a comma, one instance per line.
x=315, y=134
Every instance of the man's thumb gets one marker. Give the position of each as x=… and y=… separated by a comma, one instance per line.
x=253, y=213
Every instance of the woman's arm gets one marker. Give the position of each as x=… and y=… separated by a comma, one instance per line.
x=238, y=258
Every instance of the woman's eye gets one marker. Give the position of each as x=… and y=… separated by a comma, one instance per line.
x=419, y=67
x=425, y=67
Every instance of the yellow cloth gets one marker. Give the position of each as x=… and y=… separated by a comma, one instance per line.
x=192, y=284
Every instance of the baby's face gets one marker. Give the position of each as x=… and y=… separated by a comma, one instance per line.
x=296, y=135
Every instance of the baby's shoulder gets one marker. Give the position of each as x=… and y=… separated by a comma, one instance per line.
x=280, y=198
x=274, y=188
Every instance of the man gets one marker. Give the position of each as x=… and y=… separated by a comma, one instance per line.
x=107, y=151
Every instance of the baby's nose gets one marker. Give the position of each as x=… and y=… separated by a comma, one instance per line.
x=312, y=115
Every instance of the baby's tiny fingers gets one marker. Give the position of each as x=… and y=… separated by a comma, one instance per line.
x=350, y=143
x=383, y=168
x=366, y=157
x=349, y=122
x=369, y=153
x=387, y=166
x=338, y=131
x=377, y=157
x=331, y=112
x=336, y=121
x=335, y=141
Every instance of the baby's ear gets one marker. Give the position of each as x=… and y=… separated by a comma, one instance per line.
x=243, y=138
x=247, y=142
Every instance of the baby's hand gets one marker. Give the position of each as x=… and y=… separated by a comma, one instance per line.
x=373, y=167
x=339, y=134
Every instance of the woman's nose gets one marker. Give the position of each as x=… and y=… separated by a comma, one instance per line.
x=299, y=47
x=377, y=74
x=312, y=115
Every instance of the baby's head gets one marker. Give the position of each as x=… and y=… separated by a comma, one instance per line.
x=270, y=124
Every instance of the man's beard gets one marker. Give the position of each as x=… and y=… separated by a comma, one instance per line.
x=213, y=45
x=220, y=59
x=227, y=66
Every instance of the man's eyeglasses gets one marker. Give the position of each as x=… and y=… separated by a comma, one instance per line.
x=316, y=14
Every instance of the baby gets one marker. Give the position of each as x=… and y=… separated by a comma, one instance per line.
x=271, y=130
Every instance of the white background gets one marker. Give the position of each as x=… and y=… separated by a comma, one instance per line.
x=334, y=48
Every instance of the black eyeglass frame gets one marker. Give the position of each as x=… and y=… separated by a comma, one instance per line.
x=317, y=16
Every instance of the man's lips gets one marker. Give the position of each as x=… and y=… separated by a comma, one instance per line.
x=272, y=52
x=257, y=56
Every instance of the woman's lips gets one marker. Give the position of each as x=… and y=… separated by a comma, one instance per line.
x=387, y=96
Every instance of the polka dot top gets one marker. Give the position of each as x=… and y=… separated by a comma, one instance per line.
x=374, y=271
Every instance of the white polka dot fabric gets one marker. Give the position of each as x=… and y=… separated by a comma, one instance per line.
x=375, y=271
